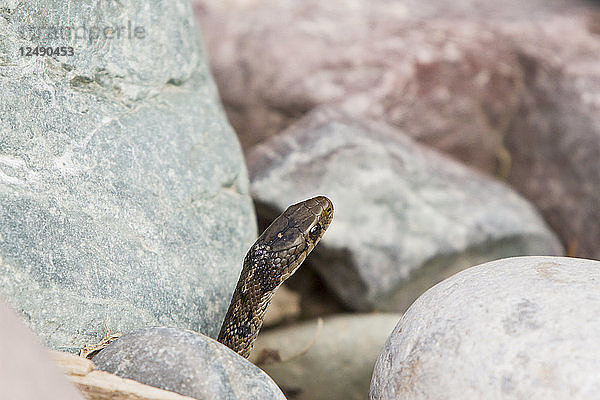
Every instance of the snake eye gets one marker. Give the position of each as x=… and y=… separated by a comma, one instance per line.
x=314, y=232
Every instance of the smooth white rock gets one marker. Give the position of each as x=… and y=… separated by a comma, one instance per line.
x=516, y=328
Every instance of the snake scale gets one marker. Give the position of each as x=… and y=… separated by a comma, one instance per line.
x=274, y=257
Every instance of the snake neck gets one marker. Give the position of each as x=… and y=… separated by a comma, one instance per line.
x=252, y=295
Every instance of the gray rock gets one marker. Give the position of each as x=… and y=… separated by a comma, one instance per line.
x=123, y=192
x=406, y=217
x=26, y=371
x=329, y=362
x=187, y=363
x=518, y=328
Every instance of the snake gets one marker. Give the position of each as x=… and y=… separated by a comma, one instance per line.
x=274, y=257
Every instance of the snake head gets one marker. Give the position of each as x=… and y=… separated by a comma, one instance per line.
x=293, y=235
x=275, y=255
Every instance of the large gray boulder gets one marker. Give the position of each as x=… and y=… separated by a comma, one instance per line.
x=517, y=328
x=187, y=363
x=123, y=191
x=406, y=217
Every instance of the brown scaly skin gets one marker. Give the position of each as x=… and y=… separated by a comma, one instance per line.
x=273, y=258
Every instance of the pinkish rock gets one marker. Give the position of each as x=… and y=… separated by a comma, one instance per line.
x=555, y=140
x=494, y=84
x=432, y=71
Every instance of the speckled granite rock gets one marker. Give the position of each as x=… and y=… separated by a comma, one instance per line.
x=518, y=328
x=123, y=192
x=26, y=372
x=328, y=362
x=406, y=217
x=187, y=363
